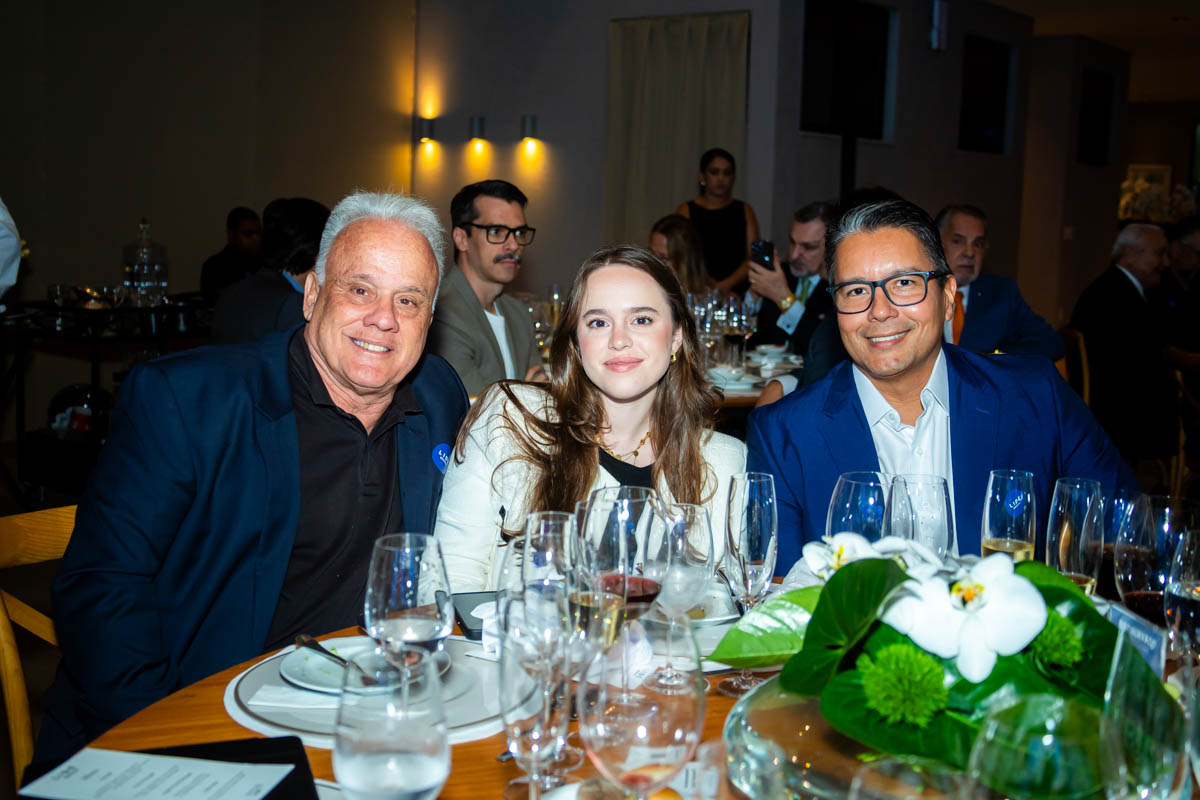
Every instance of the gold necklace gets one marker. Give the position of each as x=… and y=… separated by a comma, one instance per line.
x=633, y=452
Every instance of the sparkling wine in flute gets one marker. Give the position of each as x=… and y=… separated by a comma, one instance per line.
x=1085, y=582
x=598, y=613
x=1019, y=550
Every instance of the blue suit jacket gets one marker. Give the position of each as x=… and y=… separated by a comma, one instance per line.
x=1005, y=412
x=998, y=318
x=183, y=536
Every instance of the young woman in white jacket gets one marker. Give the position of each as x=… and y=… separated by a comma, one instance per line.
x=628, y=404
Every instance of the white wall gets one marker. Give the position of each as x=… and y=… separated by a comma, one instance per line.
x=544, y=57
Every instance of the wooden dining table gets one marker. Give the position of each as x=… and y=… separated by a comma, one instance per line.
x=196, y=714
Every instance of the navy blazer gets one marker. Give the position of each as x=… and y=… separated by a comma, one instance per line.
x=998, y=318
x=1006, y=412
x=184, y=533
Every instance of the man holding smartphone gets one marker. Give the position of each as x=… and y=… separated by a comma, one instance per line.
x=794, y=296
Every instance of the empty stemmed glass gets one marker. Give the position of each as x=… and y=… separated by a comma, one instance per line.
x=408, y=598
x=685, y=546
x=1009, y=515
x=918, y=508
x=390, y=738
x=641, y=752
x=858, y=505
x=750, y=553
x=1075, y=531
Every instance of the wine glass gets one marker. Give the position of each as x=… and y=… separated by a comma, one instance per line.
x=858, y=505
x=1152, y=735
x=906, y=778
x=1146, y=541
x=535, y=631
x=1075, y=531
x=1041, y=745
x=685, y=546
x=643, y=749
x=918, y=508
x=752, y=532
x=1181, y=601
x=1009, y=515
x=390, y=738
x=408, y=598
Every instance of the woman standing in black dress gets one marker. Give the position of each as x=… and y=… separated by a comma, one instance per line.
x=726, y=226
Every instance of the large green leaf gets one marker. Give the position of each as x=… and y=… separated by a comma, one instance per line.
x=948, y=736
x=847, y=609
x=771, y=633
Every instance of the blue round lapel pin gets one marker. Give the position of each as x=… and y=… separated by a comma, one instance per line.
x=441, y=457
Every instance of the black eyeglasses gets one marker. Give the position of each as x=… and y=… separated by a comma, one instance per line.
x=498, y=234
x=904, y=289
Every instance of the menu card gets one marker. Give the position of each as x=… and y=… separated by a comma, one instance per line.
x=94, y=773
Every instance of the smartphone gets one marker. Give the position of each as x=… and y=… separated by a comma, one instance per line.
x=763, y=252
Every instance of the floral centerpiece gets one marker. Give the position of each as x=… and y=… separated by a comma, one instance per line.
x=907, y=655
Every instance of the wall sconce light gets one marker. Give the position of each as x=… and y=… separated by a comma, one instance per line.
x=424, y=130
x=529, y=126
x=477, y=128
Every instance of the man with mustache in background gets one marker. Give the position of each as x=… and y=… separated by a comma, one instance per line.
x=485, y=335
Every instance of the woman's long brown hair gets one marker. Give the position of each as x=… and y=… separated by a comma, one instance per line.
x=563, y=450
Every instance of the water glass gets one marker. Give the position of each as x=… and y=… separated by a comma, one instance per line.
x=752, y=539
x=1146, y=541
x=390, y=736
x=906, y=778
x=685, y=546
x=858, y=505
x=1075, y=531
x=918, y=508
x=1009, y=515
x=408, y=598
x=1040, y=746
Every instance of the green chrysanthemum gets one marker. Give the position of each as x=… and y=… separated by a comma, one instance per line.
x=1058, y=643
x=903, y=684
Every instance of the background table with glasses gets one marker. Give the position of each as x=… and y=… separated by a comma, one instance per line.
x=196, y=714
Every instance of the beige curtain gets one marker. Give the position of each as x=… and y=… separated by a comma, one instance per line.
x=676, y=87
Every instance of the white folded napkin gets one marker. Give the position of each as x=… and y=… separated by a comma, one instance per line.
x=271, y=694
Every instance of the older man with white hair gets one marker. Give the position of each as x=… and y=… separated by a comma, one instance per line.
x=1132, y=393
x=241, y=488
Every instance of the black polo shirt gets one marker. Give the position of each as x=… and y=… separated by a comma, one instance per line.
x=348, y=499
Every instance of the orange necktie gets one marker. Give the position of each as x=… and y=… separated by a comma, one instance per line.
x=956, y=324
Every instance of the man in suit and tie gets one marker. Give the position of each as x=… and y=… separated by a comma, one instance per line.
x=241, y=488
x=1132, y=392
x=907, y=402
x=484, y=334
x=794, y=300
x=989, y=312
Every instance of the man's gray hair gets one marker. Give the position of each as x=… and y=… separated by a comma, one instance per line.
x=901, y=214
x=409, y=211
x=1133, y=235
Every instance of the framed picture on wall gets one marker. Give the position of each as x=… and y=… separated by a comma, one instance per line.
x=1153, y=174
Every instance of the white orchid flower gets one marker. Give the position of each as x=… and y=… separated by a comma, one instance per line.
x=832, y=553
x=990, y=611
x=919, y=561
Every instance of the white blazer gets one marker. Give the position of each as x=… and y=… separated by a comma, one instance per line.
x=482, y=491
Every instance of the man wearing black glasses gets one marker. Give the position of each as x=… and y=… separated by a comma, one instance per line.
x=908, y=403
x=485, y=335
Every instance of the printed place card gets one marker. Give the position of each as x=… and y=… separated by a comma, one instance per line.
x=1149, y=639
x=94, y=774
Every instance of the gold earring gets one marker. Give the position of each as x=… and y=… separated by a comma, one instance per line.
x=672, y=358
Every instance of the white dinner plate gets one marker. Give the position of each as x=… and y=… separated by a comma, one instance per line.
x=309, y=670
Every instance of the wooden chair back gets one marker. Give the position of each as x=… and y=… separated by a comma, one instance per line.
x=26, y=539
x=1074, y=366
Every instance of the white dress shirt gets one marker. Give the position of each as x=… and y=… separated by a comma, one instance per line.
x=501, y=334
x=789, y=319
x=921, y=449
x=1137, y=284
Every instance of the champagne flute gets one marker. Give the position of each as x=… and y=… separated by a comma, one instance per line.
x=1075, y=531
x=918, y=508
x=641, y=752
x=1009, y=515
x=1039, y=746
x=685, y=547
x=408, y=598
x=1146, y=542
x=390, y=738
x=752, y=532
x=858, y=505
